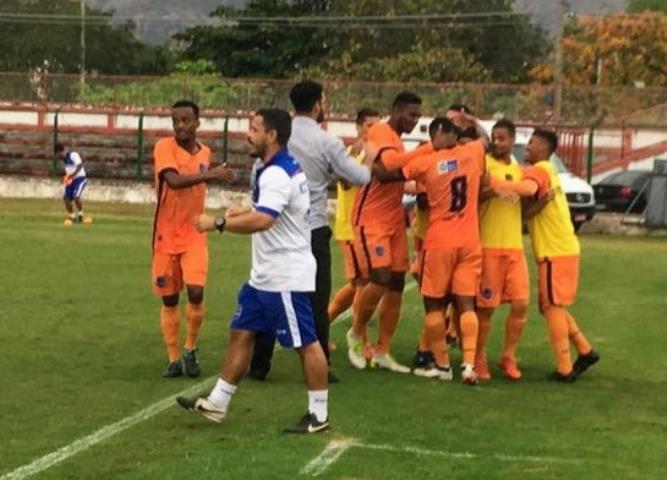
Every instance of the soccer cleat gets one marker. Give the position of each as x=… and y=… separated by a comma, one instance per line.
x=308, y=424
x=433, y=371
x=191, y=363
x=355, y=350
x=203, y=406
x=468, y=374
x=174, y=369
x=68, y=222
x=510, y=368
x=584, y=362
x=423, y=359
x=482, y=369
x=388, y=362
x=556, y=376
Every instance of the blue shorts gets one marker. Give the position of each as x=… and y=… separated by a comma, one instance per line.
x=285, y=315
x=75, y=189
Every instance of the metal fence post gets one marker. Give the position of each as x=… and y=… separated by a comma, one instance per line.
x=589, y=157
x=225, y=140
x=54, y=162
x=140, y=147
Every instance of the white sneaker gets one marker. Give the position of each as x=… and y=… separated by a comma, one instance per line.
x=468, y=374
x=204, y=406
x=441, y=373
x=388, y=362
x=355, y=350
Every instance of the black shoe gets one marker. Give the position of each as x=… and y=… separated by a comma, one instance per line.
x=423, y=359
x=173, y=370
x=556, y=376
x=333, y=378
x=308, y=424
x=584, y=362
x=191, y=363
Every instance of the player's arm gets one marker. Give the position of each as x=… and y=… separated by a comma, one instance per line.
x=344, y=165
x=383, y=175
x=248, y=222
x=177, y=181
x=525, y=188
x=394, y=160
x=532, y=207
x=78, y=161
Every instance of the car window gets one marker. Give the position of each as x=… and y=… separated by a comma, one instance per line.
x=625, y=179
x=519, y=154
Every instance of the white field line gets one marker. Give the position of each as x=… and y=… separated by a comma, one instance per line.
x=328, y=456
x=53, y=458
x=348, y=313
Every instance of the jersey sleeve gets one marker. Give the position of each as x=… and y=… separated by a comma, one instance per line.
x=163, y=156
x=274, y=191
x=539, y=176
x=417, y=168
x=75, y=158
x=394, y=160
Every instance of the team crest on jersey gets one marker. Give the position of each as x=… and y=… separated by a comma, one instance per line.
x=303, y=187
x=447, y=166
x=379, y=250
x=161, y=281
x=203, y=168
x=487, y=293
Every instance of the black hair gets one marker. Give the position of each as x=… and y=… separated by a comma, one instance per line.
x=58, y=147
x=442, y=123
x=304, y=95
x=364, y=113
x=549, y=136
x=406, y=98
x=459, y=107
x=187, y=104
x=278, y=120
x=507, y=124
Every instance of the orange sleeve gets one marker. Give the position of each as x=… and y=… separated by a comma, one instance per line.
x=163, y=156
x=393, y=160
x=539, y=176
x=417, y=168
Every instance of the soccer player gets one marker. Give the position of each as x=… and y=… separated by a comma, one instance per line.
x=75, y=181
x=451, y=257
x=557, y=252
x=380, y=228
x=180, y=252
x=504, y=267
x=276, y=299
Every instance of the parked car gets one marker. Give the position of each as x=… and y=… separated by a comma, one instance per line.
x=616, y=192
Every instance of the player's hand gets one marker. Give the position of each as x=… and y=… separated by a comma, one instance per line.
x=508, y=195
x=222, y=172
x=68, y=179
x=204, y=223
x=235, y=211
x=357, y=147
x=550, y=195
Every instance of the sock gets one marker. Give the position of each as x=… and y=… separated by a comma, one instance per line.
x=434, y=325
x=169, y=320
x=580, y=342
x=390, y=313
x=424, y=343
x=513, y=330
x=222, y=393
x=469, y=329
x=194, y=314
x=72, y=216
x=367, y=303
x=483, y=331
x=558, y=333
x=318, y=404
x=79, y=213
x=341, y=301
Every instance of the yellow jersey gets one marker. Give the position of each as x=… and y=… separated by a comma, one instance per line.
x=420, y=223
x=551, y=231
x=343, y=229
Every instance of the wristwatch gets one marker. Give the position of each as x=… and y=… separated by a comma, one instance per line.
x=220, y=224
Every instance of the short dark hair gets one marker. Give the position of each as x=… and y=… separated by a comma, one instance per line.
x=278, y=120
x=187, y=104
x=364, y=113
x=406, y=98
x=549, y=136
x=442, y=123
x=460, y=107
x=304, y=95
x=507, y=124
x=58, y=147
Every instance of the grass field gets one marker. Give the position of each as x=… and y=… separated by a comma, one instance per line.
x=81, y=350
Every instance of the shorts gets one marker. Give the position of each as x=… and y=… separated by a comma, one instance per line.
x=384, y=247
x=286, y=315
x=504, y=279
x=171, y=271
x=352, y=255
x=415, y=266
x=75, y=189
x=558, y=280
x=456, y=271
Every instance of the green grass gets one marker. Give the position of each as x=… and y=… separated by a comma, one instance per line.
x=81, y=349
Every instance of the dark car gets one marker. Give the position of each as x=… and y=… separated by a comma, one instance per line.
x=616, y=192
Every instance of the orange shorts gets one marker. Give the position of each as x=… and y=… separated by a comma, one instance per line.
x=504, y=279
x=354, y=267
x=415, y=266
x=384, y=247
x=454, y=271
x=171, y=271
x=558, y=280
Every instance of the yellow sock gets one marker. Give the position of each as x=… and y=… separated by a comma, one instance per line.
x=194, y=314
x=341, y=301
x=169, y=321
x=558, y=333
x=390, y=313
x=469, y=329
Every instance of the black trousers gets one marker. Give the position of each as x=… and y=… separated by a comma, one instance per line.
x=263, y=353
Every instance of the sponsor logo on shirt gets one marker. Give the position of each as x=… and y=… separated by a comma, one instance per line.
x=447, y=166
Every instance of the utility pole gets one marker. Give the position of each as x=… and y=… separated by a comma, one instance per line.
x=83, y=45
x=558, y=67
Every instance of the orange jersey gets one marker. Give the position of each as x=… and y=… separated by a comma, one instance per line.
x=452, y=178
x=173, y=228
x=382, y=203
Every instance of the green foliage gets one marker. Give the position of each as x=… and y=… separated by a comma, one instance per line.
x=637, y=6
x=196, y=67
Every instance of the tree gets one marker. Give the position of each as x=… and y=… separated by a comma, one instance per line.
x=638, y=6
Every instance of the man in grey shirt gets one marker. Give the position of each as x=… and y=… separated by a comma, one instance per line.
x=320, y=154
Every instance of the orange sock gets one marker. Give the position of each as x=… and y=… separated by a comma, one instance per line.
x=558, y=333
x=341, y=301
x=483, y=331
x=434, y=326
x=580, y=342
x=169, y=320
x=194, y=314
x=367, y=303
x=390, y=313
x=514, y=324
x=469, y=328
